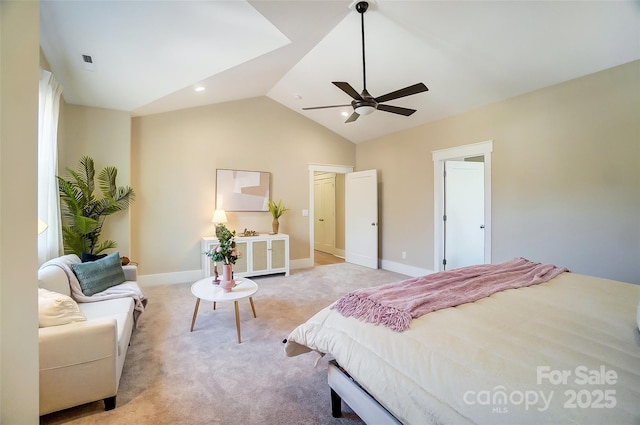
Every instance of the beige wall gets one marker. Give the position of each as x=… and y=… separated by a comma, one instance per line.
x=565, y=174
x=565, y=166
x=19, y=73
x=105, y=136
x=174, y=160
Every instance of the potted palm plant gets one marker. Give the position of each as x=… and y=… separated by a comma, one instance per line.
x=276, y=211
x=83, y=213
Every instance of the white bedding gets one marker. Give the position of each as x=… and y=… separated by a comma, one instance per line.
x=516, y=357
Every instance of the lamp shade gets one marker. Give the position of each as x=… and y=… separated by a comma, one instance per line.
x=219, y=216
x=42, y=226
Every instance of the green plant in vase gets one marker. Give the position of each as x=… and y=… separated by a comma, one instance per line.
x=276, y=211
x=224, y=252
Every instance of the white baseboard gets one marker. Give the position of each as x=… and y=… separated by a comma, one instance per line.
x=169, y=278
x=302, y=263
x=193, y=275
x=412, y=271
x=332, y=250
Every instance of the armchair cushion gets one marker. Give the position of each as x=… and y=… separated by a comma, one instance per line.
x=56, y=309
x=96, y=276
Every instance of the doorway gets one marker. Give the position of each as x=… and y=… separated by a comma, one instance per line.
x=463, y=242
x=462, y=233
x=328, y=213
x=361, y=209
x=320, y=170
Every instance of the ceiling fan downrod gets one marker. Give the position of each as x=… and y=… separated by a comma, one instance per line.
x=362, y=7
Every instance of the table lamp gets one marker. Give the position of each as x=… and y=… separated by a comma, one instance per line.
x=42, y=226
x=219, y=216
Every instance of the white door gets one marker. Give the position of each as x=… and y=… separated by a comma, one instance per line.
x=325, y=212
x=464, y=210
x=361, y=218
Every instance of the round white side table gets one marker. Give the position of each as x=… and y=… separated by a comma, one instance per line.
x=205, y=289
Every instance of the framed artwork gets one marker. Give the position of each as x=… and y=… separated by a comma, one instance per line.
x=238, y=190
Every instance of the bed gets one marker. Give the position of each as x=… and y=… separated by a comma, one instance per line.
x=563, y=351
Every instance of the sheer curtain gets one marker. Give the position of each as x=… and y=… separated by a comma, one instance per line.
x=49, y=241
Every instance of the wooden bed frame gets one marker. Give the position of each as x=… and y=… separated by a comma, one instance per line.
x=344, y=387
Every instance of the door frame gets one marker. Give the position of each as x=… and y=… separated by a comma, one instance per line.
x=439, y=158
x=338, y=169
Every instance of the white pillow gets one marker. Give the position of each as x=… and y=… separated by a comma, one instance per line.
x=57, y=309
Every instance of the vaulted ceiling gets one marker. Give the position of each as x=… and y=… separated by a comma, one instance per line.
x=149, y=56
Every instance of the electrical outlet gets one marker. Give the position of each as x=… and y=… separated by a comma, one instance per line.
x=404, y=255
x=305, y=213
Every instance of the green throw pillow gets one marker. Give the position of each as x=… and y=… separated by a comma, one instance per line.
x=96, y=276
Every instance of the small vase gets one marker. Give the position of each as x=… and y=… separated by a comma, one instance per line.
x=216, y=277
x=275, y=225
x=227, y=283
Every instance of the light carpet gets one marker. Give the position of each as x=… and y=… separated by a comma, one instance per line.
x=173, y=376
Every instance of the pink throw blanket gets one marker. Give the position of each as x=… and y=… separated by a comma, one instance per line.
x=395, y=304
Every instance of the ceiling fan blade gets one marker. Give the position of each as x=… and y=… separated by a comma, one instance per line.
x=346, y=87
x=407, y=91
x=325, y=107
x=352, y=117
x=396, y=110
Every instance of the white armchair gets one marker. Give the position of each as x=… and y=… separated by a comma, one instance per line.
x=82, y=361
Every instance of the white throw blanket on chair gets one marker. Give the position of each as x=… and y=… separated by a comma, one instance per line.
x=123, y=290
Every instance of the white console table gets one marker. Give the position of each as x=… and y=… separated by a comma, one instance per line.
x=261, y=255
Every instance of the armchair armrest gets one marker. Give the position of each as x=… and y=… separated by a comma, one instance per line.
x=76, y=343
x=130, y=272
x=77, y=363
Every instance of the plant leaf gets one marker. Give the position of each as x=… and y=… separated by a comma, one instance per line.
x=108, y=244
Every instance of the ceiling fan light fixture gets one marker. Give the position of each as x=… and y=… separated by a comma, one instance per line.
x=364, y=110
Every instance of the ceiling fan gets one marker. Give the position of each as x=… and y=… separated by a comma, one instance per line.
x=363, y=103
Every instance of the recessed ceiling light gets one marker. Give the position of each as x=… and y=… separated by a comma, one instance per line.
x=200, y=88
x=345, y=114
